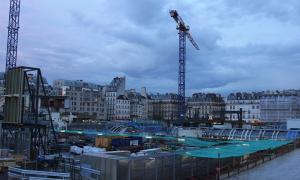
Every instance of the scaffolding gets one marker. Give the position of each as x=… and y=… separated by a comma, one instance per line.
x=279, y=107
x=26, y=128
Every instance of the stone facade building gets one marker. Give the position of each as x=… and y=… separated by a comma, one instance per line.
x=164, y=106
x=109, y=102
x=122, y=108
x=82, y=98
x=112, y=91
x=249, y=102
x=203, y=106
x=138, y=105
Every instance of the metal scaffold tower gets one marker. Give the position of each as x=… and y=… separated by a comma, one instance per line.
x=28, y=126
x=12, y=38
x=183, y=33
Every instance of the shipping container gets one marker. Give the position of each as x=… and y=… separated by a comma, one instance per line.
x=115, y=142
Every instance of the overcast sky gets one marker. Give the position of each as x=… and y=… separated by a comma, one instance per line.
x=245, y=45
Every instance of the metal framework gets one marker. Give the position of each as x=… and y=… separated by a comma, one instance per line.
x=239, y=115
x=183, y=33
x=30, y=130
x=12, y=38
x=181, y=75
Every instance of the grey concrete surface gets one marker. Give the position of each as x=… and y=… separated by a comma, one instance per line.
x=286, y=167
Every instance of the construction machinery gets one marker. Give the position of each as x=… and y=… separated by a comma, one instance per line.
x=27, y=125
x=183, y=33
x=12, y=37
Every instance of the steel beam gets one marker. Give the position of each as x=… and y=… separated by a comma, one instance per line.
x=181, y=75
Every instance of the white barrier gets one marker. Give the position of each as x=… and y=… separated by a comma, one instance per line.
x=32, y=174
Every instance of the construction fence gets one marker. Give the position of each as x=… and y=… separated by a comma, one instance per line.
x=179, y=165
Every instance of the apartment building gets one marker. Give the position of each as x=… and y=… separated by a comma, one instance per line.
x=138, y=105
x=112, y=92
x=164, y=106
x=249, y=102
x=86, y=100
x=203, y=106
x=122, y=108
x=89, y=100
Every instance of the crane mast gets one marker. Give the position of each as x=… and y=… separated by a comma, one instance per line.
x=12, y=38
x=183, y=33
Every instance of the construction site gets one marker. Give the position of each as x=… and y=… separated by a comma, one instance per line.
x=131, y=150
x=32, y=148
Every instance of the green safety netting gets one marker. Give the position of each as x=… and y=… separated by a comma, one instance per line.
x=236, y=149
x=187, y=141
x=209, y=149
x=195, y=142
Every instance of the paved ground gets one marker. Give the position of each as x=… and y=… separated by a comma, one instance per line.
x=286, y=167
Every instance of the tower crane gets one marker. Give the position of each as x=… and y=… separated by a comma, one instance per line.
x=183, y=33
x=14, y=82
x=12, y=38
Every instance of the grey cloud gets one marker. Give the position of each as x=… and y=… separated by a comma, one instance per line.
x=139, y=39
x=214, y=66
x=142, y=12
x=286, y=11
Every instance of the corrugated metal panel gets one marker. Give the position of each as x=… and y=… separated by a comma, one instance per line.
x=13, y=100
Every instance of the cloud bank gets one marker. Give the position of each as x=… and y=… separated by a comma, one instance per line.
x=244, y=45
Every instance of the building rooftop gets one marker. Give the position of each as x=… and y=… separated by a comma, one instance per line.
x=244, y=96
x=123, y=97
x=75, y=83
x=206, y=97
x=135, y=95
x=289, y=92
x=166, y=96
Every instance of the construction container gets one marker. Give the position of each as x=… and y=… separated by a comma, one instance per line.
x=115, y=142
x=103, y=142
x=14, y=79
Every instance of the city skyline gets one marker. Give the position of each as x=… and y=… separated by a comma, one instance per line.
x=144, y=89
x=244, y=46
x=139, y=89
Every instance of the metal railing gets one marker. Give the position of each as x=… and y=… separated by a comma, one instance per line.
x=32, y=174
x=90, y=172
x=78, y=171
